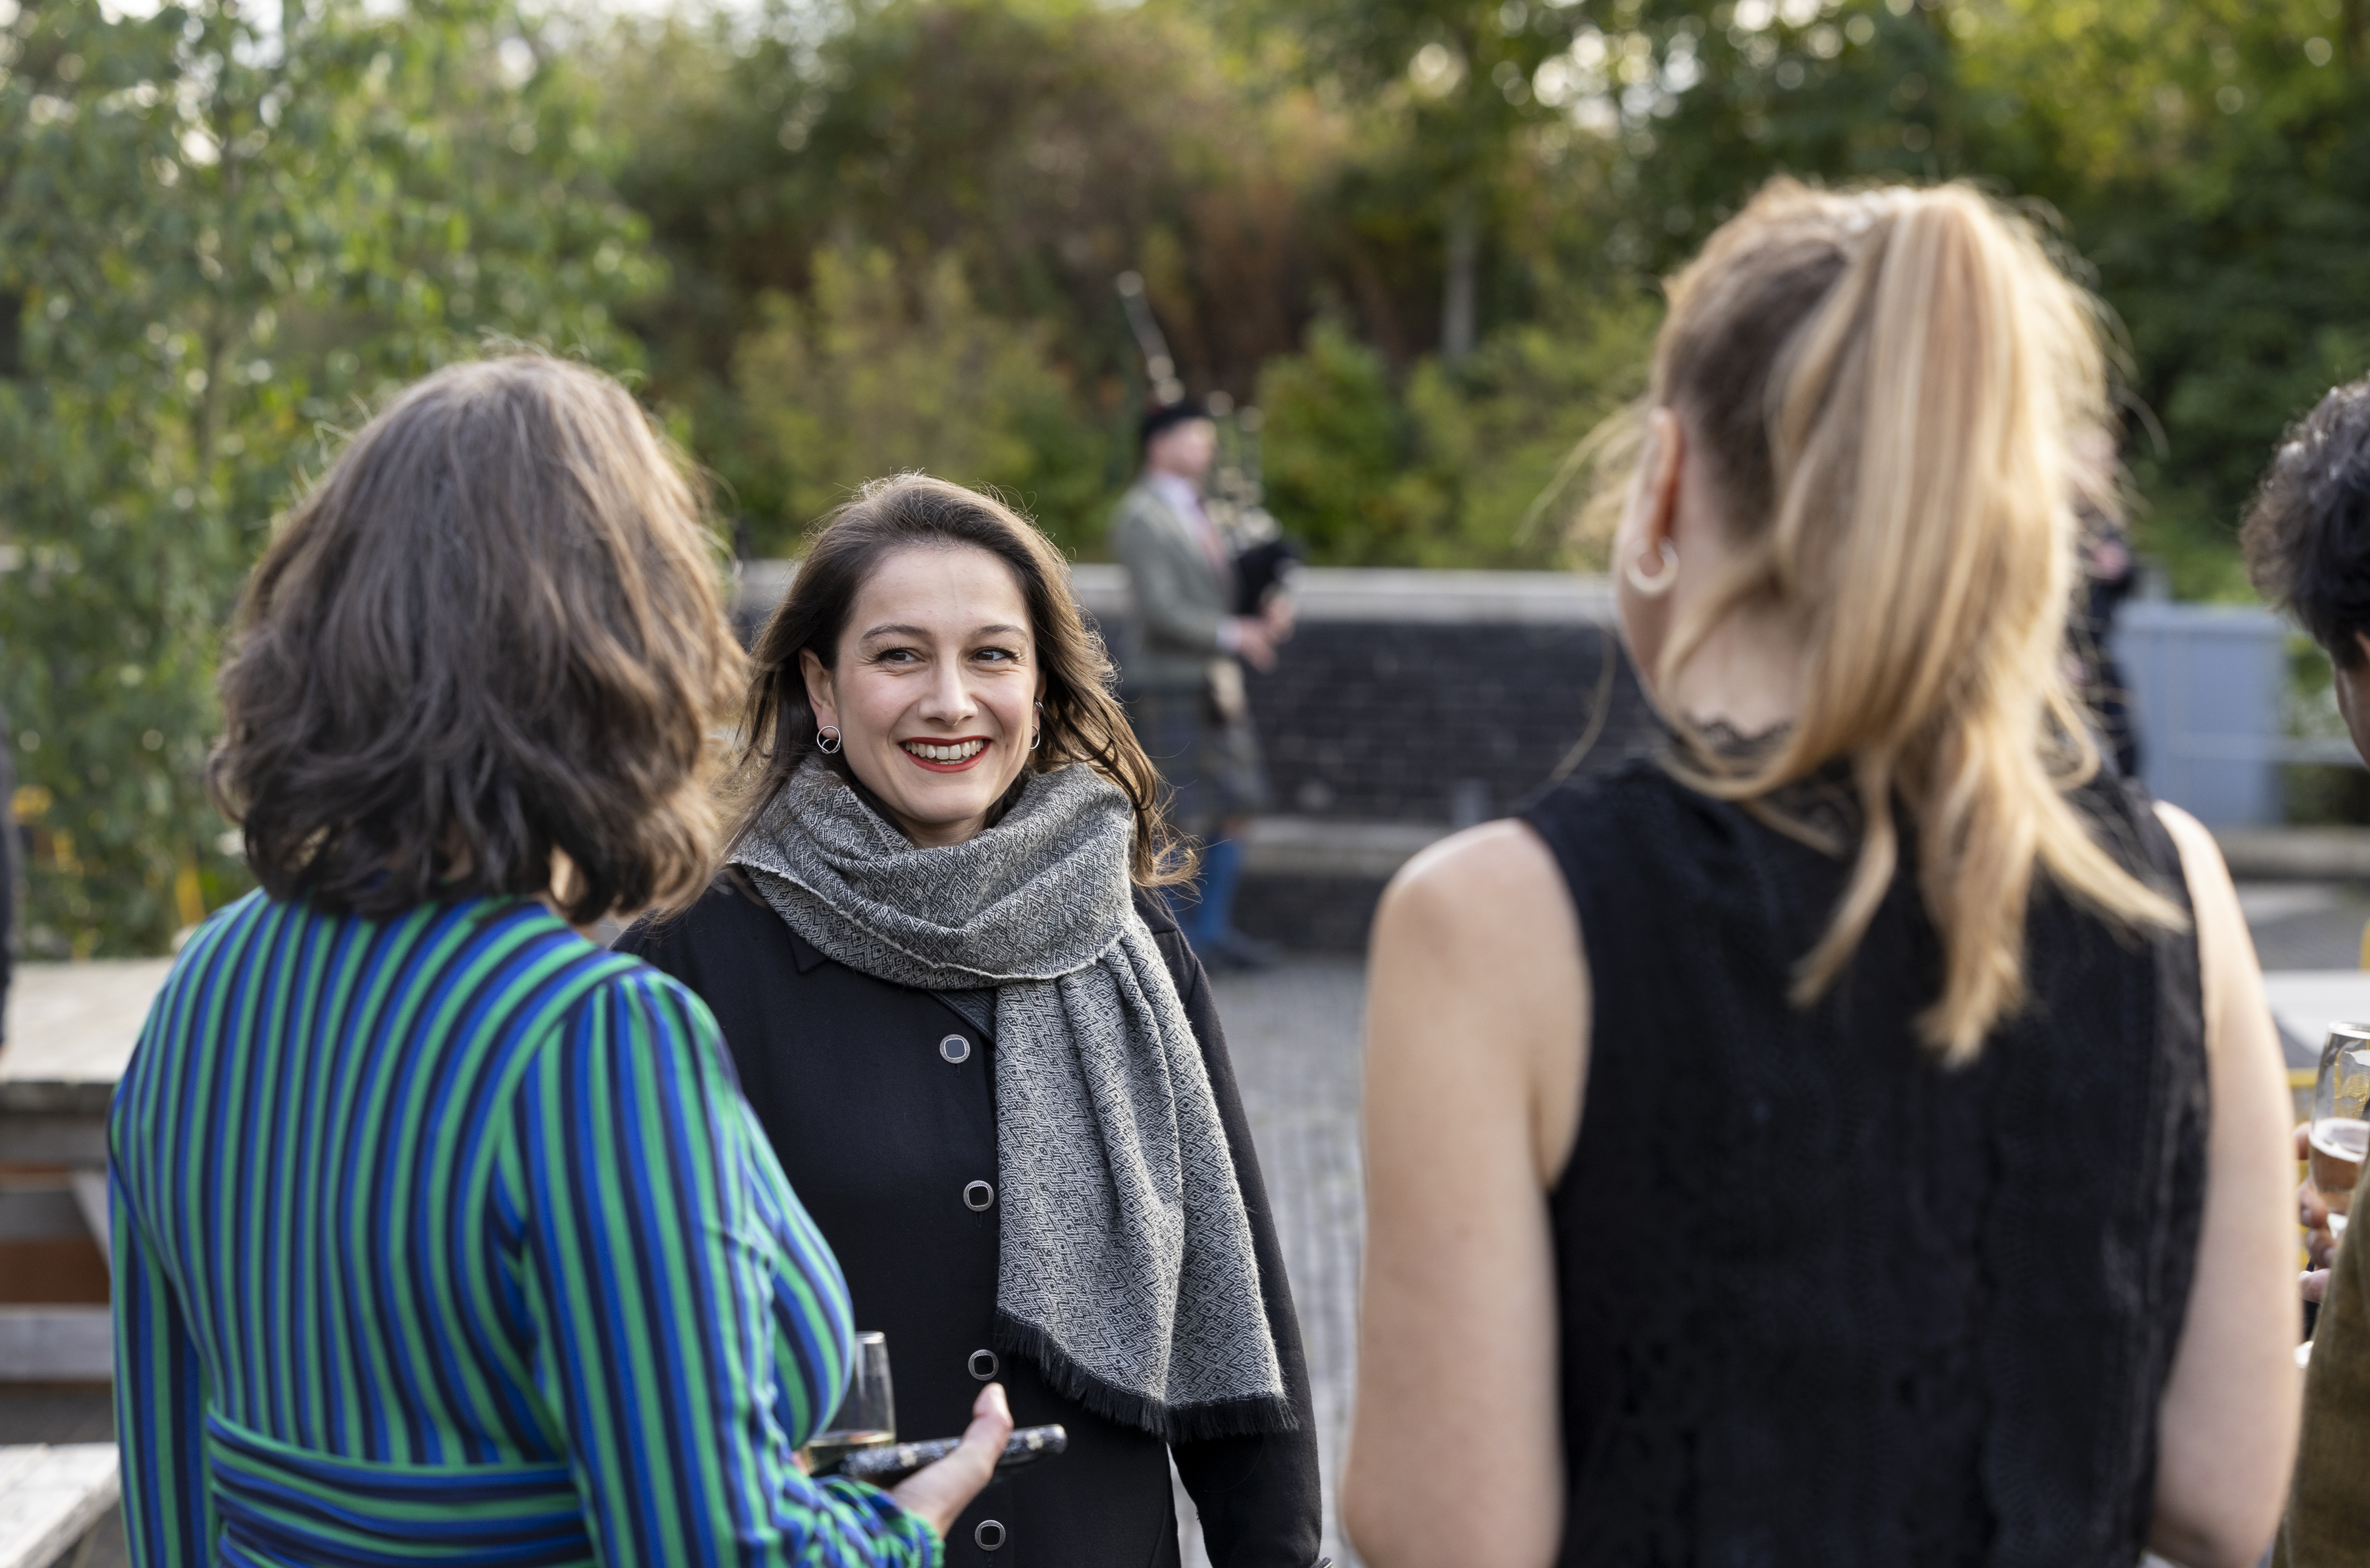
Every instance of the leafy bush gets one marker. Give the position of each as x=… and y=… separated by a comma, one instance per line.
x=1339, y=448
x=877, y=372
x=1453, y=465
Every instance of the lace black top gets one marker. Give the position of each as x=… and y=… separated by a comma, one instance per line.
x=1822, y=1301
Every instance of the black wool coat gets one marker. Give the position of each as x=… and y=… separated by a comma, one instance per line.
x=880, y=1102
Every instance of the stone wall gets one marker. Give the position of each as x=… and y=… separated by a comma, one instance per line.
x=1407, y=704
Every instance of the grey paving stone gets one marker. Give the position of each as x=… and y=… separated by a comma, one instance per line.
x=2302, y=925
x=1294, y=1035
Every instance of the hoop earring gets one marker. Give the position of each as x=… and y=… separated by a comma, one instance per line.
x=1659, y=583
x=1037, y=736
x=827, y=740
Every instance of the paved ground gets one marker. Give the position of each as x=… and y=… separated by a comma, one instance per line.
x=2306, y=924
x=1293, y=1033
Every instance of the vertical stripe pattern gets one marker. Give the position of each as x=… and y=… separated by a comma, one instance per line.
x=450, y=1237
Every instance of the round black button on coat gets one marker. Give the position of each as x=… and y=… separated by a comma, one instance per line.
x=979, y=1197
x=983, y=1363
x=955, y=1049
x=988, y=1534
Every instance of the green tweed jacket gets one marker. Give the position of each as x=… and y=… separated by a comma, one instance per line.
x=2329, y=1503
x=1180, y=598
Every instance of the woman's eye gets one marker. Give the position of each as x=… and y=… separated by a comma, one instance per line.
x=1004, y=654
x=896, y=655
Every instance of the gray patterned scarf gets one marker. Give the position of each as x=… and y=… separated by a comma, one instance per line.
x=1126, y=1269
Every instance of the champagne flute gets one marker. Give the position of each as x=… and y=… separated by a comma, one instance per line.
x=2340, y=1118
x=867, y=1417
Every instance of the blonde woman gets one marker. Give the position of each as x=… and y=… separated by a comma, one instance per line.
x=1854, y=1138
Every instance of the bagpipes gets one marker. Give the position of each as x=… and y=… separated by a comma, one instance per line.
x=1265, y=557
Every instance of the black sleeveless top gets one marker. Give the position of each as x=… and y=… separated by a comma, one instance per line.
x=1823, y=1301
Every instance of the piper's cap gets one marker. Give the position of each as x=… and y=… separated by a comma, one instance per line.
x=1168, y=416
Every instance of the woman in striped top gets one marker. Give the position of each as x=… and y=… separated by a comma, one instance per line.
x=441, y=1234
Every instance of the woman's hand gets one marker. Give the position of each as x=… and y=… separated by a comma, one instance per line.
x=2312, y=1205
x=2312, y=1213
x=944, y=1489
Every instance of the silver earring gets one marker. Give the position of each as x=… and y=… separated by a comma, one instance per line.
x=827, y=740
x=1038, y=734
x=1656, y=584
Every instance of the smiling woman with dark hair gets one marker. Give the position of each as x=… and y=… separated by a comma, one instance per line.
x=985, y=1052
x=439, y=1234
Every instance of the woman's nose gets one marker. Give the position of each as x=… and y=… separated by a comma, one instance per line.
x=949, y=697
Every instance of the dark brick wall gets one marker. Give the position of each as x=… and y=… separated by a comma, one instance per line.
x=1437, y=723
x=1432, y=723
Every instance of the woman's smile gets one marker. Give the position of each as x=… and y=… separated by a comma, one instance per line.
x=947, y=757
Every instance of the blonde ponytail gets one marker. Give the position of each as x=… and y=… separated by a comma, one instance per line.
x=1889, y=387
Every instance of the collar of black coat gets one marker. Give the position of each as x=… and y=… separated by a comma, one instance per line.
x=802, y=953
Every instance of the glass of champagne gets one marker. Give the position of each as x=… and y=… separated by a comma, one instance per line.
x=867, y=1417
x=2340, y=1118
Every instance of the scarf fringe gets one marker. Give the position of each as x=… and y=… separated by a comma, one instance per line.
x=1247, y=1417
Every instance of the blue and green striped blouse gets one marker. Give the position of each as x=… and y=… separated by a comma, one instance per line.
x=450, y=1237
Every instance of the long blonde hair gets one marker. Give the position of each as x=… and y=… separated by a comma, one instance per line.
x=1889, y=387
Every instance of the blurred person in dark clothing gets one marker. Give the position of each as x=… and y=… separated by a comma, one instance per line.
x=1184, y=683
x=2307, y=543
x=10, y=841
x=2109, y=572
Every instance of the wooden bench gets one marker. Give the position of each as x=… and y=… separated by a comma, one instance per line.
x=51, y=1495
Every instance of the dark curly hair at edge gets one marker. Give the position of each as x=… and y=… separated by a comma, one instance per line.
x=2307, y=537
x=1083, y=720
x=489, y=632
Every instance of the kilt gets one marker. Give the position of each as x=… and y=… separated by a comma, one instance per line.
x=1212, y=766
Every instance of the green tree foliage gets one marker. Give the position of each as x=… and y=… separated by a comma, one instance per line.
x=2205, y=162
x=1047, y=145
x=1338, y=444
x=876, y=374
x=1456, y=463
x=1271, y=164
x=2217, y=175
x=219, y=244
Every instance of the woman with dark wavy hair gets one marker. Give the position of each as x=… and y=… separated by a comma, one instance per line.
x=439, y=1234
x=985, y=1052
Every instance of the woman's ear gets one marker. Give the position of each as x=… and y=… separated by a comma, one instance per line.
x=1659, y=476
x=819, y=689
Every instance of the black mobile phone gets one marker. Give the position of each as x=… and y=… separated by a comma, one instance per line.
x=888, y=1465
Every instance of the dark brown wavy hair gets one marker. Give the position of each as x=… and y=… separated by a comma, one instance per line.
x=1082, y=720
x=490, y=631
x=2308, y=535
